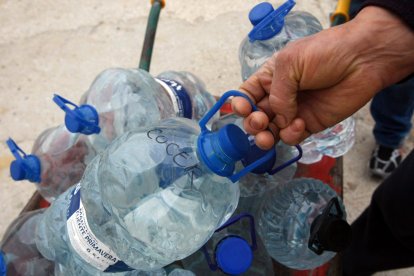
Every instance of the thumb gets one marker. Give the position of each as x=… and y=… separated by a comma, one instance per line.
x=284, y=88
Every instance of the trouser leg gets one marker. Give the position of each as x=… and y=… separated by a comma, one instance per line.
x=392, y=109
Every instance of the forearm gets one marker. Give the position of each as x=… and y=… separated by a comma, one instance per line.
x=404, y=9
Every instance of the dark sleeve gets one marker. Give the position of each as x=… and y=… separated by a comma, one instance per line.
x=402, y=8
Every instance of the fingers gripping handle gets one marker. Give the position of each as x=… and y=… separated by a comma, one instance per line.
x=233, y=93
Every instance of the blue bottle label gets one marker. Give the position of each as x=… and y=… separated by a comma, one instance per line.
x=85, y=243
x=179, y=96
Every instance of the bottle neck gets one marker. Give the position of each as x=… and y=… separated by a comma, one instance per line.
x=179, y=96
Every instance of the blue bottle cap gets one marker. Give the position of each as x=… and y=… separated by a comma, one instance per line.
x=259, y=12
x=82, y=119
x=221, y=150
x=233, y=255
x=268, y=22
x=3, y=265
x=25, y=167
x=256, y=153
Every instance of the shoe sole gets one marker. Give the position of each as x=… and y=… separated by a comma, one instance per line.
x=379, y=173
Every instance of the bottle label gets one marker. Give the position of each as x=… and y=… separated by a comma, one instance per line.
x=85, y=243
x=179, y=97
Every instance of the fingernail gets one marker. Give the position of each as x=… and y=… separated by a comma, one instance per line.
x=281, y=121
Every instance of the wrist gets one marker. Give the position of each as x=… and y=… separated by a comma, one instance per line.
x=384, y=44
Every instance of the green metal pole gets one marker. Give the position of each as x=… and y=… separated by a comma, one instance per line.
x=152, y=23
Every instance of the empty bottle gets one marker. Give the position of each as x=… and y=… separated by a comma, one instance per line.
x=272, y=30
x=121, y=100
x=19, y=254
x=181, y=272
x=152, y=197
x=57, y=161
x=61, y=270
x=303, y=224
x=201, y=100
x=333, y=142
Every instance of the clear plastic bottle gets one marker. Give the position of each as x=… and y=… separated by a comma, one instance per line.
x=233, y=249
x=19, y=254
x=57, y=161
x=177, y=270
x=303, y=224
x=61, y=270
x=152, y=197
x=201, y=99
x=272, y=30
x=51, y=241
x=181, y=272
x=121, y=100
x=333, y=142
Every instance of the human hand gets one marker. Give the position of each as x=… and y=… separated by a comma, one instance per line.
x=318, y=81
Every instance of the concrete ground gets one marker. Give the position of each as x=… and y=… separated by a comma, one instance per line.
x=60, y=46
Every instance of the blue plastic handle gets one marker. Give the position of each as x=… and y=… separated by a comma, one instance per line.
x=235, y=219
x=216, y=107
x=234, y=93
x=14, y=148
x=288, y=163
x=63, y=104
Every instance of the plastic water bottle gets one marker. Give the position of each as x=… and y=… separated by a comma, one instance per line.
x=200, y=99
x=19, y=254
x=232, y=250
x=181, y=272
x=121, y=100
x=303, y=224
x=51, y=241
x=272, y=30
x=333, y=142
x=61, y=270
x=152, y=197
x=57, y=161
x=177, y=270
